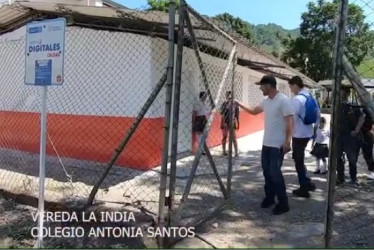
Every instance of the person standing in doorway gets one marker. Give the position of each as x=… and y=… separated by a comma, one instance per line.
x=276, y=142
x=302, y=133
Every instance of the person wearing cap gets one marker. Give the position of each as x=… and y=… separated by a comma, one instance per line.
x=302, y=133
x=276, y=141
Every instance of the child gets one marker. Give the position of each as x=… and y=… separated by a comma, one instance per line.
x=200, y=115
x=320, y=148
x=225, y=121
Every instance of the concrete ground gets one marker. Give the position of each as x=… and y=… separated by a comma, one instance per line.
x=242, y=223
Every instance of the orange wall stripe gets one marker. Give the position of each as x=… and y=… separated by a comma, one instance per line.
x=95, y=138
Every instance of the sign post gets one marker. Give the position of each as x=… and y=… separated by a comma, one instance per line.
x=44, y=66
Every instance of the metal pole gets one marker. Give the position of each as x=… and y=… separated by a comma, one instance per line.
x=212, y=25
x=231, y=135
x=195, y=45
x=43, y=132
x=177, y=94
x=204, y=136
x=362, y=92
x=169, y=90
x=335, y=117
x=215, y=171
x=128, y=136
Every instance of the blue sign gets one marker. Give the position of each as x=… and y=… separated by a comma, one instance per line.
x=44, y=52
x=43, y=72
x=33, y=30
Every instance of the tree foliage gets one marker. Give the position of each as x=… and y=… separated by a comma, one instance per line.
x=264, y=35
x=235, y=23
x=311, y=52
x=161, y=5
x=269, y=37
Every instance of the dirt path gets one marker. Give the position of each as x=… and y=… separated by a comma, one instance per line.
x=244, y=224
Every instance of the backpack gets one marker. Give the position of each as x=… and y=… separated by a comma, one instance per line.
x=311, y=110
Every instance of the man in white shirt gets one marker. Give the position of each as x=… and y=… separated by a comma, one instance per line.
x=276, y=142
x=302, y=133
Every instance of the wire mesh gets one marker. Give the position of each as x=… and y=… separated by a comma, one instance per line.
x=353, y=210
x=110, y=72
x=207, y=68
x=112, y=66
x=109, y=75
x=203, y=66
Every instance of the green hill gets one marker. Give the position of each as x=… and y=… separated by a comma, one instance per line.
x=268, y=37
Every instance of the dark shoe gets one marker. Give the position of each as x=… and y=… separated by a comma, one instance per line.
x=312, y=187
x=339, y=182
x=267, y=203
x=280, y=209
x=302, y=192
x=354, y=182
x=324, y=172
x=317, y=172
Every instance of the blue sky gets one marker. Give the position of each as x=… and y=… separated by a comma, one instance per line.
x=286, y=13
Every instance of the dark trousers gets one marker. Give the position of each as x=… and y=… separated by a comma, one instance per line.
x=298, y=155
x=272, y=160
x=367, y=149
x=351, y=147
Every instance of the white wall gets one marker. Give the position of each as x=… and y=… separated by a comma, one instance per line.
x=112, y=74
x=192, y=84
x=106, y=73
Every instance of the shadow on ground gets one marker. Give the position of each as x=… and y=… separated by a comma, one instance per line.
x=242, y=223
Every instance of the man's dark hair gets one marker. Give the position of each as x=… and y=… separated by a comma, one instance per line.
x=268, y=79
x=296, y=80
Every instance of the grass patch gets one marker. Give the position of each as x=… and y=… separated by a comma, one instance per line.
x=366, y=69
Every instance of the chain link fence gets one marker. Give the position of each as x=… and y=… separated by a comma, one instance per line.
x=109, y=77
x=126, y=130
x=105, y=123
x=203, y=179
x=207, y=67
x=349, y=214
x=108, y=133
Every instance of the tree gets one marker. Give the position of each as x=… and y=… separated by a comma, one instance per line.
x=235, y=23
x=161, y=5
x=275, y=53
x=311, y=52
